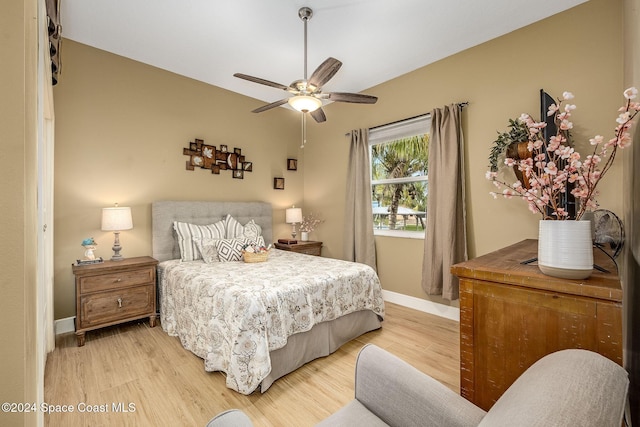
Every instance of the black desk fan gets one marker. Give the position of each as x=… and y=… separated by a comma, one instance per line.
x=608, y=234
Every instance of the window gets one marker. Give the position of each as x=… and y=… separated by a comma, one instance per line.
x=399, y=164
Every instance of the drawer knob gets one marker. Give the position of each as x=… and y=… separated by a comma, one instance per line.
x=119, y=302
x=118, y=280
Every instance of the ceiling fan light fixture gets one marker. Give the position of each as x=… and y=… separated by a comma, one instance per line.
x=305, y=103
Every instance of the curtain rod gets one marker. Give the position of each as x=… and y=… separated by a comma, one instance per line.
x=460, y=104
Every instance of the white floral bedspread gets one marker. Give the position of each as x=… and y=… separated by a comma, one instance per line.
x=232, y=314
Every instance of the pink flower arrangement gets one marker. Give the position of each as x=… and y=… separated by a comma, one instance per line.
x=555, y=166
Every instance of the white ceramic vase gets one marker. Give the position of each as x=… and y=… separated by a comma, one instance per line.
x=565, y=249
x=304, y=236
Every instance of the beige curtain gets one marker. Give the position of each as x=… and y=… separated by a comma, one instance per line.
x=445, y=240
x=359, y=245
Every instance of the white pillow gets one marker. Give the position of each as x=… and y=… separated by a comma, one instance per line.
x=188, y=234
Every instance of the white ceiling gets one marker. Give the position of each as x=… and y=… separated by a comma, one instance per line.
x=377, y=40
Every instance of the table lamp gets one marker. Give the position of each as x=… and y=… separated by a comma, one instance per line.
x=116, y=219
x=293, y=216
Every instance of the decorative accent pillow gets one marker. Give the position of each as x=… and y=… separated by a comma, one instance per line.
x=259, y=241
x=186, y=233
x=230, y=249
x=252, y=230
x=233, y=229
x=207, y=249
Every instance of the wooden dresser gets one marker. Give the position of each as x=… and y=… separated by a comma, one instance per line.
x=309, y=248
x=113, y=292
x=511, y=315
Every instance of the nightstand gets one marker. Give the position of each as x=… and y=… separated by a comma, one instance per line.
x=114, y=292
x=309, y=248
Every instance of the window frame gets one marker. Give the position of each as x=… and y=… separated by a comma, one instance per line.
x=419, y=125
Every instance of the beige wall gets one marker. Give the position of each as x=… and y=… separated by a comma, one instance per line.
x=500, y=79
x=18, y=166
x=120, y=130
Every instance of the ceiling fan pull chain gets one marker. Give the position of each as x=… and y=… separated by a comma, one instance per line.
x=304, y=130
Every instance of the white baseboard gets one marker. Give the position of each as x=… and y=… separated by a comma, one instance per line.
x=420, y=304
x=66, y=325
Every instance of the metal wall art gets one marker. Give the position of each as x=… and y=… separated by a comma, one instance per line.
x=209, y=157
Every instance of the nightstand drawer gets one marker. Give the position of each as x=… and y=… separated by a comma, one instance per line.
x=116, y=305
x=116, y=280
x=313, y=250
x=307, y=248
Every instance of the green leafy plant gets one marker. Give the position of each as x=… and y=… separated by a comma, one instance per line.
x=518, y=132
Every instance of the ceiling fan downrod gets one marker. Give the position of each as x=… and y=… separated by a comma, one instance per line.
x=305, y=13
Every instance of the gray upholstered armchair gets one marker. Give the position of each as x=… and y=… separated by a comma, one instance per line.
x=566, y=388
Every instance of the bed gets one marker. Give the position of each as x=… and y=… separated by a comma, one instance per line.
x=256, y=322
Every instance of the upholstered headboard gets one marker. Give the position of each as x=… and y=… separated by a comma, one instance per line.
x=164, y=213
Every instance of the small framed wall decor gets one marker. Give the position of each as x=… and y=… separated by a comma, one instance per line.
x=278, y=183
x=292, y=164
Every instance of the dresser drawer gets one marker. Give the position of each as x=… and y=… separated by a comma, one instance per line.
x=116, y=305
x=116, y=280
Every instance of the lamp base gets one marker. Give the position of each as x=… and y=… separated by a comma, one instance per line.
x=116, y=248
x=117, y=257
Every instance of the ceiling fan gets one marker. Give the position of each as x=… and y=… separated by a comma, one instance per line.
x=307, y=93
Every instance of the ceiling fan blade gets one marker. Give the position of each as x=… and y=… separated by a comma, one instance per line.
x=318, y=115
x=261, y=81
x=355, y=98
x=325, y=71
x=270, y=106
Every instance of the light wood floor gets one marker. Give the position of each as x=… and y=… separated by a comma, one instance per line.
x=167, y=385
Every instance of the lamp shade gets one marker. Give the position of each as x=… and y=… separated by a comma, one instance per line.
x=116, y=219
x=293, y=215
x=305, y=103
